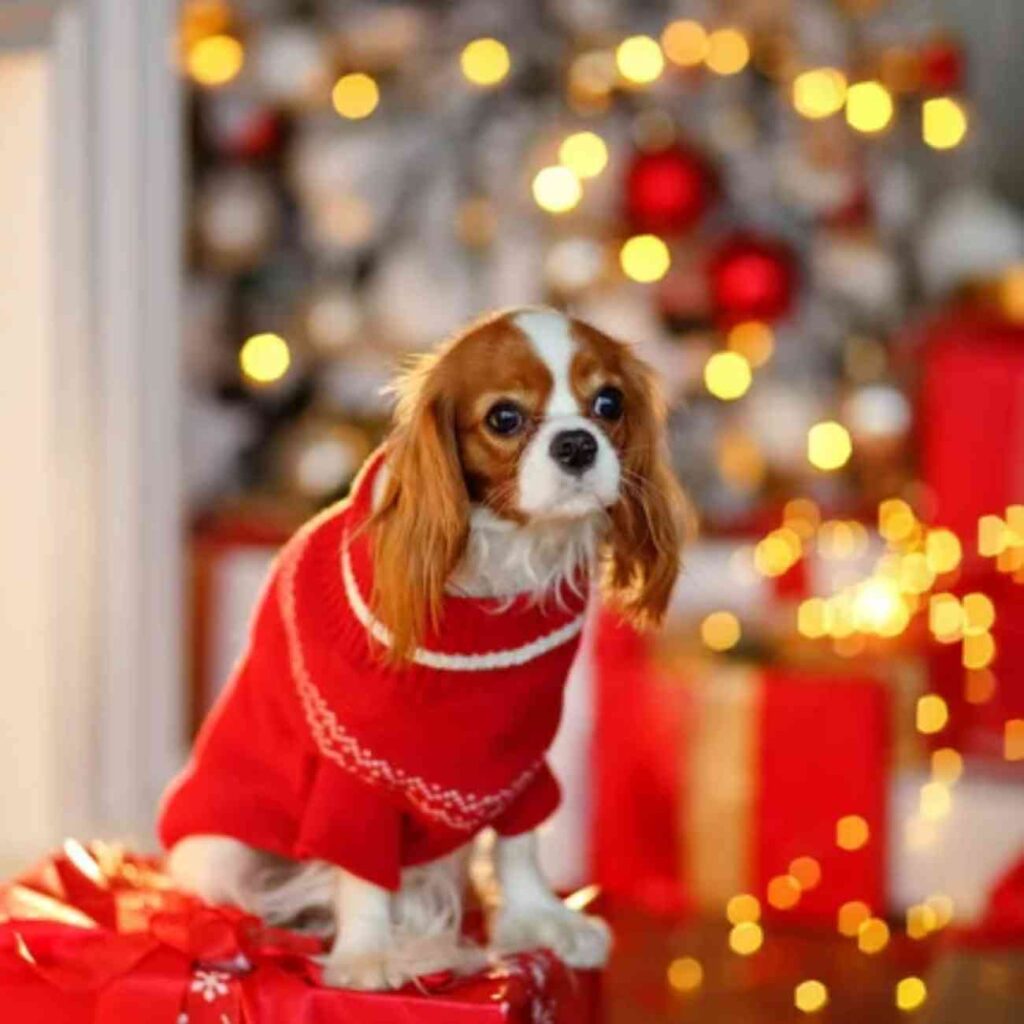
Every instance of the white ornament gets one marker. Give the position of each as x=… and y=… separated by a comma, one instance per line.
x=858, y=270
x=236, y=217
x=326, y=456
x=574, y=264
x=333, y=318
x=289, y=64
x=971, y=235
x=878, y=412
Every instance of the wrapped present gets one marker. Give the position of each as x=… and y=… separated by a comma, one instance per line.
x=94, y=935
x=718, y=779
x=972, y=441
x=973, y=463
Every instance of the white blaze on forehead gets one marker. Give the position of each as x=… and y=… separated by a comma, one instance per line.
x=550, y=337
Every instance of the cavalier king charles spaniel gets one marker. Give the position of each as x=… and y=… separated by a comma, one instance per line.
x=526, y=462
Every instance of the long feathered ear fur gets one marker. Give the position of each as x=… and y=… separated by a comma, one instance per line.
x=651, y=520
x=420, y=525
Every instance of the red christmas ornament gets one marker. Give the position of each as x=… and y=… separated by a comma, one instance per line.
x=668, y=190
x=752, y=279
x=241, y=128
x=943, y=66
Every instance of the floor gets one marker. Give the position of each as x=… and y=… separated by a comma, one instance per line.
x=759, y=989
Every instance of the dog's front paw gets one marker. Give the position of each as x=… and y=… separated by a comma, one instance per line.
x=370, y=972
x=577, y=939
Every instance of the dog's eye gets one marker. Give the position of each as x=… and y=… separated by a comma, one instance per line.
x=607, y=404
x=505, y=418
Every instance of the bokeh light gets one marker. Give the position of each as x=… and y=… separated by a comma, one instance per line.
x=783, y=892
x=728, y=51
x=945, y=618
x=979, y=613
x=979, y=686
x=639, y=60
x=850, y=916
x=935, y=801
x=685, y=43
x=896, y=519
x=943, y=122
x=584, y=153
x=818, y=93
x=806, y=871
x=720, y=631
x=910, y=993
x=829, y=445
x=355, y=96
x=869, y=107
x=727, y=375
x=645, y=258
x=932, y=714
x=921, y=921
x=852, y=832
x=215, y=60
x=485, y=62
x=810, y=996
x=942, y=550
x=685, y=974
x=746, y=938
x=753, y=340
x=556, y=189
x=979, y=651
x=265, y=358
x=743, y=907
x=872, y=935
x=1013, y=739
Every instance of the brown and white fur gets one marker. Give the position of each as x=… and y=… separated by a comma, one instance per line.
x=505, y=473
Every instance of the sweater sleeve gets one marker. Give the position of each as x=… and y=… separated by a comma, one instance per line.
x=533, y=806
x=352, y=824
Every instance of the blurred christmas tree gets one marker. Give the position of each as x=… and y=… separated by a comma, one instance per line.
x=738, y=187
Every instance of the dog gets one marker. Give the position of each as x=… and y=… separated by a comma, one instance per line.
x=404, y=674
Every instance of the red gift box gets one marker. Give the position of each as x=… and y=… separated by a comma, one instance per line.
x=97, y=936
x=972, y=419
x=713, y=779
x=972, y=442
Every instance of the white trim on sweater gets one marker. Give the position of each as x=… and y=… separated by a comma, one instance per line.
x=486, y=661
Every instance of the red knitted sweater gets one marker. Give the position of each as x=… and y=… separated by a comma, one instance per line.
x=317, y=749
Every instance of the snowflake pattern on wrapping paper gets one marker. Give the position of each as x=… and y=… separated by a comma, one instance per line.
x=210, y=985
x=534, y=969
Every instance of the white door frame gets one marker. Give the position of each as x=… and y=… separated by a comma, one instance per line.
x=116, y=615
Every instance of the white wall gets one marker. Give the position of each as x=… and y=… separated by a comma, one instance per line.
x=91, y=622
x=29, y=809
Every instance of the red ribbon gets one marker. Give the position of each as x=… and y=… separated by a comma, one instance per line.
x=172, y=955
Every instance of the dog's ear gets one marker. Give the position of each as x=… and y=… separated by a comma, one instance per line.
x=420, y=525
x=650, y=521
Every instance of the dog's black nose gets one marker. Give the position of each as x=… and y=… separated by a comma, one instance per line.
x=574, y=450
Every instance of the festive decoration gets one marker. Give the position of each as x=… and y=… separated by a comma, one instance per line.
x=668, y=190
x=95, y=933
x=770, y=785
x=752, y=279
